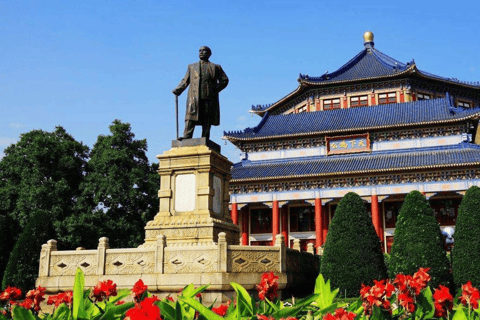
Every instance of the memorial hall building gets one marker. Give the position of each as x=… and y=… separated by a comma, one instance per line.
x=376, y=126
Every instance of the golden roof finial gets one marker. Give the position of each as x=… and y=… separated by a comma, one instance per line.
x=368, y=36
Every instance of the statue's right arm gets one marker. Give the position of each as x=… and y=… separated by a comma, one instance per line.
x=183, y=84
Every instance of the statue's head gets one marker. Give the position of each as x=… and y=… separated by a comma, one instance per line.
x=204, y=53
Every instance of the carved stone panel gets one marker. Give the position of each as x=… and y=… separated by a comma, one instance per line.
x=196, y=260
x=253, y=261
x=130, y=263
x=67, y=264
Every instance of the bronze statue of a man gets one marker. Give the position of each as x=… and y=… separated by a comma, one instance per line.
x=206, y=80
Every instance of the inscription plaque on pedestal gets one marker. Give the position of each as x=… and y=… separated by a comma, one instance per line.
x=217, y=197
x=185, y=192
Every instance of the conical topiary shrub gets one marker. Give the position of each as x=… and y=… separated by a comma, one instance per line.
x=22, y=267
x=465, y=253
x=418, y=242
x=353, y=253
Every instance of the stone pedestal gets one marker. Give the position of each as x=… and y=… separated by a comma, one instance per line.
x=191, y=240
x=194, y=183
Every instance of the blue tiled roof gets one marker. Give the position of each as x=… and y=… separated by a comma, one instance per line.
x=369, y=63
x=411, y=159
x=421, y=112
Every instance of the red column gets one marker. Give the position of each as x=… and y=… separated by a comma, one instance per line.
x=377, y=223
x=372, y=101
x=318, y=223
x=325, y=223
x=245, y=219
x=402, y=97
x=234, y=213
x=285, y=224
x=275, y=220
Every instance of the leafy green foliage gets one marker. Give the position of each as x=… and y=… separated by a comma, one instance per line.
x=22, y=267
x=41, y=171
x=119, y=192
x=326, y=296
x=418, y=242
x=353, y=253
x=465, y=258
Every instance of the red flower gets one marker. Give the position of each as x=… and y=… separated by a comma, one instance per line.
x=170, y=299
x=376, y=295
x=443, y=301
x=268, y=286
x=37, y=296
x=119, y=303
x=145, y=310
x=470, y=295
x=262, y=317
x=138, y=290
x=406, y=301
x=104, y=289
x=27, y=304
x=63, y=297
x=340, y=314
x=10, y=293
x=221, y=310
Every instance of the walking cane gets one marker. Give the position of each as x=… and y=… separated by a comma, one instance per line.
x=176, y=112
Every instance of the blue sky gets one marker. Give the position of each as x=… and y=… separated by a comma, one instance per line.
x=82, y=64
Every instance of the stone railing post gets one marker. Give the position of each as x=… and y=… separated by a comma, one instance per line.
x=45, y=257
x=296, y=244
x=280, y=243
x=159, y=253
x=101, y=253
x=222, y=252
x=310, y=248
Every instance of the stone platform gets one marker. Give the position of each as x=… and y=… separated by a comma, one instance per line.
x=191, y=240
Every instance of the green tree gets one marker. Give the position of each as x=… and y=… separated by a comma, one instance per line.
x=118, y=192
x=22, y=267
x=465, y=258
x=353, y=253
x=418, y=242
x=42, y=171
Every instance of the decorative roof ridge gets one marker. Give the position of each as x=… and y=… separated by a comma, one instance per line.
x=340, y=70
x=419, y=150
x=390, y=62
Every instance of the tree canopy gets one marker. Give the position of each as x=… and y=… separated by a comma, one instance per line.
x=41, y=172
x=119, y=192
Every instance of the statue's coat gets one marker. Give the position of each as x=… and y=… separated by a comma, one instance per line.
x=216, y=82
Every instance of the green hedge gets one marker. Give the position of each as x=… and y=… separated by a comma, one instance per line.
x=466, y=250
x=418, y=242
x=353, y=253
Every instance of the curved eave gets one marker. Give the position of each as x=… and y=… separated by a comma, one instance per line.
x=325, y=83
x=330, y=174
x=440, y=79
x=402, y=125
x=309, y=84
x=288, y=96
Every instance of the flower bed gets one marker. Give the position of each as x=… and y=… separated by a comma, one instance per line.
x=405, y=297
